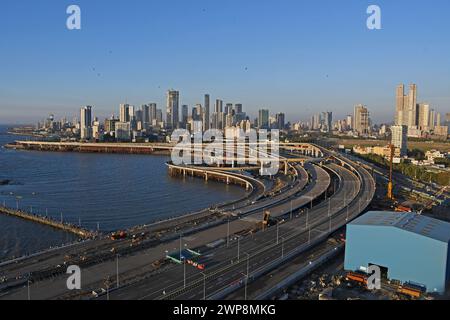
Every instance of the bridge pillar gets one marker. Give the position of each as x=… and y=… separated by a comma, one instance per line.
x=228, y=180
x=206, y=176
x=285, y=168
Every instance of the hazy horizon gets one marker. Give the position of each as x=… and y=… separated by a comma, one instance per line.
x=296, y=57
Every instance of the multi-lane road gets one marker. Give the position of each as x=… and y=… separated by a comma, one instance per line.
x=304, y=208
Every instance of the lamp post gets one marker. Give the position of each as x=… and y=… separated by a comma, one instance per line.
x=204, y=286
x=248, y=274
x=117, y=270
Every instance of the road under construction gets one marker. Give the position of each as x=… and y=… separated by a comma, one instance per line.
x=280, y=218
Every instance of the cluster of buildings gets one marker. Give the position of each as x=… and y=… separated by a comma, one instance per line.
x=148, y=123
x=358, y=124
x=412, y=119
x=420, y=119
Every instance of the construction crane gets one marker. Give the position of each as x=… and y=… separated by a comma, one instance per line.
x=390, y=186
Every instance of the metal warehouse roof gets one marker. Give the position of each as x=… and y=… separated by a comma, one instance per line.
x=412, y=222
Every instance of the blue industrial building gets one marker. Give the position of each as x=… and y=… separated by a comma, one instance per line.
x=409, y=247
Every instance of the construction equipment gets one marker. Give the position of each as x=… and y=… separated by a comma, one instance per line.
x=266, y=219
x=390, y=186
x=430, y=203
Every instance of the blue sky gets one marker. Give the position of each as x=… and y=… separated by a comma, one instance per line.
x=295, y=56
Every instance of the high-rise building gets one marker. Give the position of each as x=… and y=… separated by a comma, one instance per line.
x=123, y=131
x=86, y=123
x=238, y=108
x=438, y=119
x=184, y=115
x=124, y=114
x=400, y=139
x=361, y=119
x=146, y=113
x=432, y=119
x=280, y=121
x=315, y=121
x=447, y=122
x=206, y=115
x=197, y=113
x=159, y=115
x=110, y=124
x=328, y=120
x=173, y=101
x=406, y=106
x=263, y=119
x=228, y=108
x=424, y=116
x=349, y=122
x=152, y=107
x=219, y=106
x=131, y=113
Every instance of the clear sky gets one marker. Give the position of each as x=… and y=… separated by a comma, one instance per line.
x=295, y=56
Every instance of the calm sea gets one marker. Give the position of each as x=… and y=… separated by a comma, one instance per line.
x=109, y=190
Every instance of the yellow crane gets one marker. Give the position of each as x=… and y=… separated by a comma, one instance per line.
x=390, y=186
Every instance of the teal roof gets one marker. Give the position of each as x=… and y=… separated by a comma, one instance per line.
x=411, y=222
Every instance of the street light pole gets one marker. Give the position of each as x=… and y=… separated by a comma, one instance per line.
x=291, y=209
x=278, y=231
x=307, y=217
x=248, y=274
x=184, y=273
x=228, y=232
x=204, y=286
x=117, y=270
x=239, y=239
x=181, y=239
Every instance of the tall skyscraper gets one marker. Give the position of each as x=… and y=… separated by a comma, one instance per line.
x=424, y=116
x=328, y=120
x=173, y=101
x=228, y=108
x=124, y=114
x=361, y=119
x=315, y=121
x=280, y=121
x=184, y=115
x=218, y=106
x=400, y=138
x=406, y=106
x=238, y=108
x=432, y=119
x=206, y=115
x=263, y=119
x=86, y=122
x=152, y=107
x=197, y=113
x=412, y=106
x=349, y=122
x=146, y=113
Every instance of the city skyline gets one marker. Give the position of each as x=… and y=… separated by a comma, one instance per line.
x=256, y=60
